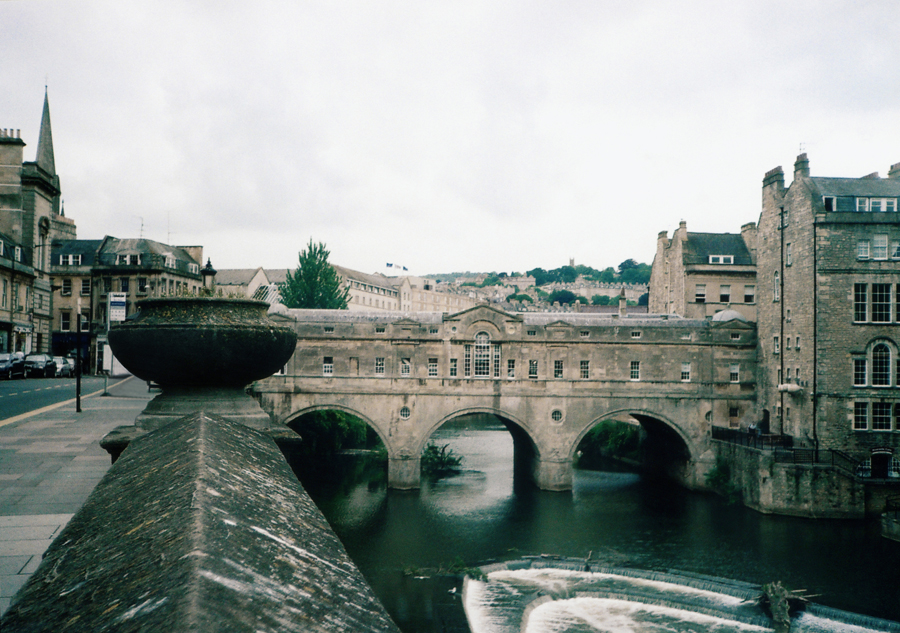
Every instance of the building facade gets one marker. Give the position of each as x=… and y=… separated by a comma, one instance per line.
x=696, y=275
x=31, y=217
x=829, y=312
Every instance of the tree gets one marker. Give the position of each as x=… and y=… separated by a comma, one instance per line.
x=315, y=283
x=563, y=296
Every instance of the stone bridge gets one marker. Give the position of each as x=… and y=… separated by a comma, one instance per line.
x=550, y=377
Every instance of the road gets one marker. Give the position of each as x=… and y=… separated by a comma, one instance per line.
x=23, y=395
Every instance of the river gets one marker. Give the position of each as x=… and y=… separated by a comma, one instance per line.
x=400, y=538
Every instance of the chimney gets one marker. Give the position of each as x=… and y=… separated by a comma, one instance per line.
x=894, y=171
x=801, y=167
x=774, y=177
x=623, y=303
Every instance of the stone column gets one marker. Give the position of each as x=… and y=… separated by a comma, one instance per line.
x=404, y=472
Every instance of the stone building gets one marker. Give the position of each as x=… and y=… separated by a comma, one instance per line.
x=697, y=275
x=86, y=272
x=828, y=268
x=31, y=217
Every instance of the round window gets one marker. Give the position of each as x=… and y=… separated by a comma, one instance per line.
x=556, y=415
x=405, y=413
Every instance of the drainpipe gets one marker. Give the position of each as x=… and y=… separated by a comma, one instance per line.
x=815, y=341
x=781, y=300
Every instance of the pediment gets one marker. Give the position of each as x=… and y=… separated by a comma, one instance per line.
x=483, y=313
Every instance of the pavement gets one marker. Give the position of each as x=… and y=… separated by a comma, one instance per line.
x=50, y=461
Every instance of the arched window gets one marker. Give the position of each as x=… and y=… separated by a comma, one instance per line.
x=881, y=365
x=482, y=355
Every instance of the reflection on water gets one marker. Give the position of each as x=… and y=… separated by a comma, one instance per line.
x=619, y=516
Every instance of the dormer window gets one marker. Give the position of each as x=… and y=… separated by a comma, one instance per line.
x=830, y=203
x=876, y=205
x=70, y=260
x=721, y=259
x=18, y=253
x=170, y=260
x=194, y=269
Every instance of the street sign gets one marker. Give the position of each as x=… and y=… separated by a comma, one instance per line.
x=117, y=306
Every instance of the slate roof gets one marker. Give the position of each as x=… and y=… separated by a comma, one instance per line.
x=235, y=276
x=699, y=246
x=373, y=280
x=857, y=187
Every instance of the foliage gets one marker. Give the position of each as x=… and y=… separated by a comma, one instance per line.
x=610, y=439
x=315, y=284
x=719, y=479
x=519, y=297
x=629, y=272
x=328, y=432
x=600, y=300
x=439, y=461
x=564, y=297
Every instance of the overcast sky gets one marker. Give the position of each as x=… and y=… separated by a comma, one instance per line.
x=443, y=136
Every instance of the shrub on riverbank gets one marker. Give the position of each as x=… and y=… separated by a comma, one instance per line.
x=439, y=461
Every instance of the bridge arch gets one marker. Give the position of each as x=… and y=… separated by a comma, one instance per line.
x=299, y=413
x=526, y=447
x=666, y=457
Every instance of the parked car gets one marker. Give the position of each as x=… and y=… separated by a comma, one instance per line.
x=63, y=367
x=12, y=364
x=40, y=364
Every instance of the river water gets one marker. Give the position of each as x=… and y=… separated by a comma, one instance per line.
x=401, y=539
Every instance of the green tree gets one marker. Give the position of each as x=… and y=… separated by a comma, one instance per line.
x=563, y=296
x=315, y=283
x=600, y=300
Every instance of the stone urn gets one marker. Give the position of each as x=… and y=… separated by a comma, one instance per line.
x=202, y=352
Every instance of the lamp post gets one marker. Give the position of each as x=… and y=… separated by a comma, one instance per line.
x=78, y=354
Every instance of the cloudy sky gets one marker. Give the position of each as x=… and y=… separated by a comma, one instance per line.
x=443, y=136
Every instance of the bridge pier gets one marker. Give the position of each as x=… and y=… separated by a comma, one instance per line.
x=404, y=473
x=552, y=474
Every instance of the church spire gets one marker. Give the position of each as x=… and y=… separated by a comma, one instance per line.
x=44, y=157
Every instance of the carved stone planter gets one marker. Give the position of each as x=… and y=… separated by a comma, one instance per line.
x=202, y=352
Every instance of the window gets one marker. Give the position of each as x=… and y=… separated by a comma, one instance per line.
x=123, y=284
x=776, y=288
x=882, y=205
x=685, y=372
x=797, y=375
x=776, y=345
x=787, y=343
x=18, y=253
x=585, y=369
x=881, y=416
x=405, y=413
x=749, y=294
x=895, y=250
x=860, y=303
x=635, y=335
x=432, y=367
x=584, y=334
x=881, y=365
x=788, y=374
x=467, y=362
x=859, y=372
x=862, y=249
x=721, y=259
x=142, y=284
x=700, y=293
x=532, y=332
x=482, y=355
x=778, y=378
x=734, y=373
x=880, y=247
x=328, y=366
x=532, y=369
x=405, y=367
x=454, y=367
x=829, y=203
x=107, y=285
x=65, y=321
x=510, y=368
x=881, y=303
x=788, y=254
x=862, y=205
x=194, y=269
x=379, y=329
x=170, y=260
x=70, y=260
x=734, y=412
x=66, y=287
x=379, y=366
x=860, y=416
x=797, y=342
x=85, y=286
x=496, y=350
x=725, y=293
x=433, y=330
x=635, y=370
x=735, y=336
x=329, y=329
x=557, y=369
